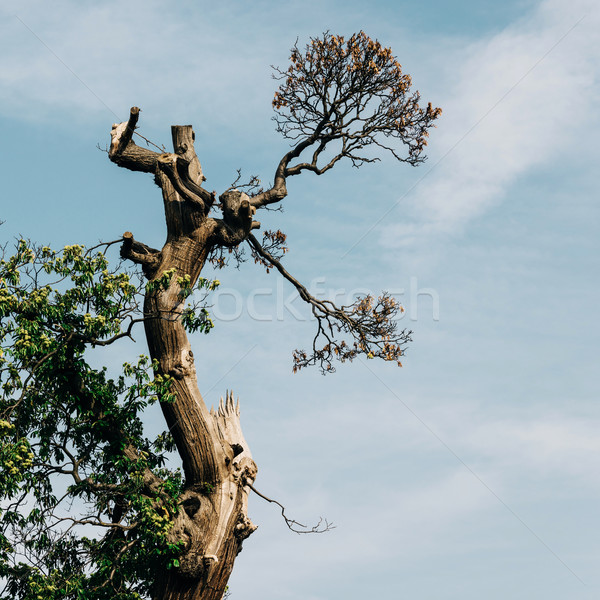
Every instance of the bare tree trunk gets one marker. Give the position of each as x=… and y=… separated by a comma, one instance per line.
x=212, y=520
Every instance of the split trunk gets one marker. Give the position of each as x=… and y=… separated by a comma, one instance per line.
x=212, y=520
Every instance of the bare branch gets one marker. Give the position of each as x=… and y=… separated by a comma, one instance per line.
x=150, y=142
x=124, y=152
x=293, y=524
x=104, y=245
x=252, y=185
x=98, y=522
x=120, y=143
x=141, y=254
x=118, y=336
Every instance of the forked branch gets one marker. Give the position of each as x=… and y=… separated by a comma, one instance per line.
x=369, y=324
x=321, y=527
x=338, y=97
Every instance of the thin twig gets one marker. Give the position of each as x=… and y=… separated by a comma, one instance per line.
x=161, y=148
x=291, y=522
x=107, y=244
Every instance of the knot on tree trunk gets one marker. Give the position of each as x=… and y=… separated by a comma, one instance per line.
x=183, y=367
x=237, y=217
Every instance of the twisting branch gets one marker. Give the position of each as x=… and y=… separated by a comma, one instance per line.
x=175, y=168
x=292, y=524
x=339, y=96
x=369, y=322
x=279, y=190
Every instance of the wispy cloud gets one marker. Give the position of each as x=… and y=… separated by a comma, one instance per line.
x=123, y=53
x=523, y=97
x=206, y=59
x=427, y=504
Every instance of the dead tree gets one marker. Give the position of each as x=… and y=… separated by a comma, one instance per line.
x=338, y=97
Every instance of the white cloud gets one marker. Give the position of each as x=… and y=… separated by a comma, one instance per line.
x=553, y=446
x=514, y=102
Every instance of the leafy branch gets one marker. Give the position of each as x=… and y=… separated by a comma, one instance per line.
x=338, y=97
x=368, y=323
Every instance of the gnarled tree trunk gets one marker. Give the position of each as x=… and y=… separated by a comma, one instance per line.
x=212, y=520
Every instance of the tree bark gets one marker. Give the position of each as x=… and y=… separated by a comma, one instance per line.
x=212, y=520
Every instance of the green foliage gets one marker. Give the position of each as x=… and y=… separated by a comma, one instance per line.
x=206, y=488
x=194, y=318
x=87, y=502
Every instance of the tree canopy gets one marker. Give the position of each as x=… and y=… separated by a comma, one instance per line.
x=62, y=417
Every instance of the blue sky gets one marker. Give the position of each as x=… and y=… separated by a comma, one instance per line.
x=472, y=472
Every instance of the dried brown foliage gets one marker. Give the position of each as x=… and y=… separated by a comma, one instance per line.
x=351, y=92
